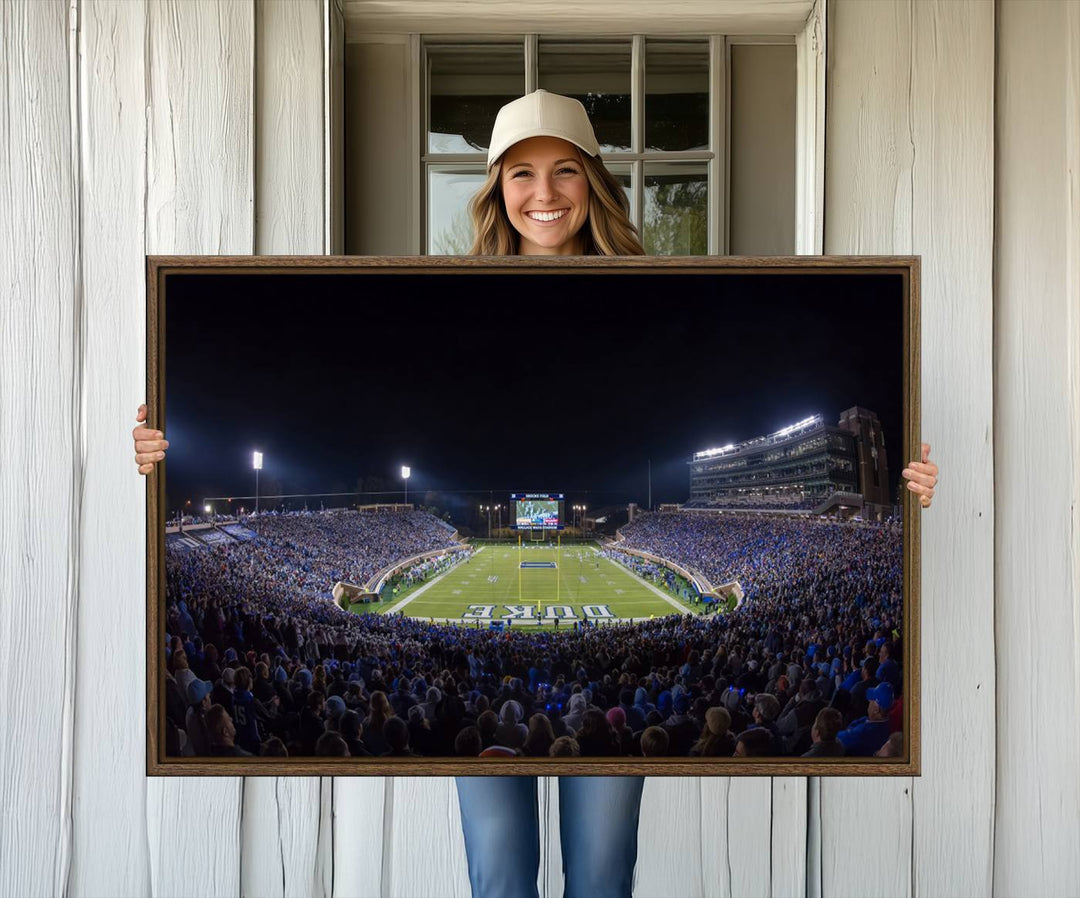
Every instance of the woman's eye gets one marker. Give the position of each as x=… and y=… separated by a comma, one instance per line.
x=567, y=171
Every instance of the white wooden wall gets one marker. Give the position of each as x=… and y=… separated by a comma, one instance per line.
x=200, y=127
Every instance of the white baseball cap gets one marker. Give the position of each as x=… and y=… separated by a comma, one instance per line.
x=541, y=114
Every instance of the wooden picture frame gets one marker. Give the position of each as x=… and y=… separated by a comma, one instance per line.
x=898, y=279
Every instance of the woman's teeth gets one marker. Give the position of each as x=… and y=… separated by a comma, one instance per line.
x=546, y=216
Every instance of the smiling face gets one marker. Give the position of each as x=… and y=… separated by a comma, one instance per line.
x=546, y=195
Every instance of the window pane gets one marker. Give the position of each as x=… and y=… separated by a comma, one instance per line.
x=676, y=209
x=623, y=174
x=466, y=87
x=676, y=95
x=449, y=191
x=597, y=74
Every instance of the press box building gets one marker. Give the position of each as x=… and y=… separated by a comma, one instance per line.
x=808, y=466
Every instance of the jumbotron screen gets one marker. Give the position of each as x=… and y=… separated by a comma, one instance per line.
x=537, y=511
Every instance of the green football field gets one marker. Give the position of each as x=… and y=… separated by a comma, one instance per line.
x=493, y=585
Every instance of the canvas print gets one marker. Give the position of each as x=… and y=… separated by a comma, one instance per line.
x=478, y=516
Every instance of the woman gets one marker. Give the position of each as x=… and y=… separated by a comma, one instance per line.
x=541, y=737
x=622, y=734
x=547, y=193
x=374, y=724
x=716, y=740
x=596, y=738
x=511, y=732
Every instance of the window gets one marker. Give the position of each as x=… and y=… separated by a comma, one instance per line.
x=659, y=107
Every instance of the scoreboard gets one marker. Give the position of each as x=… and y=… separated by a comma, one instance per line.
x=537, y=511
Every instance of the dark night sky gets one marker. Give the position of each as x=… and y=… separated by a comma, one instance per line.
x=523, y=382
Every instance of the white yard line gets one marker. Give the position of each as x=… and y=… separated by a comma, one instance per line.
x=426, y=586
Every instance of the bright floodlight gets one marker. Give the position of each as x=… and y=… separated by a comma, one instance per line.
x=206, y=508
x=791, y=428
x=257, y=461
x=405, y=471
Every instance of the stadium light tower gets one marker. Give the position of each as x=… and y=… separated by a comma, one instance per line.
x=405, y=472
x=256, y=463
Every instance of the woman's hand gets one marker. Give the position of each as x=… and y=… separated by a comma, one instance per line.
x=150, y=445
x=922, y=477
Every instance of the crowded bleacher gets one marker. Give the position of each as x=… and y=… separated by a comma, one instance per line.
x=763, y=501
x=260, y=661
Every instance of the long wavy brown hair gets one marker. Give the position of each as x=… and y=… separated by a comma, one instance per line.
x=380, y=711
x=607, y=231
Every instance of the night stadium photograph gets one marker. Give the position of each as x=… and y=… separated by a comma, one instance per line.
x=425, y=516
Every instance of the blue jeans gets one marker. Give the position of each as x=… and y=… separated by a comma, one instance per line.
x=598, y=823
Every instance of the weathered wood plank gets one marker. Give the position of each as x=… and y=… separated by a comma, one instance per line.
x=670, y=839
x=200, y=185
x=283, y=816
x=788, y=838
x=199, y=198
x=289, y=128
x=193, y=830
x=909, y=170
x=750, y=812
x=1037, y=446
x=41, y=451
x=111, y=858
x=359, y=836
x=859, y=817
x=868, y=196
x=423, y=846
x=551, y=873
x=280, y=837
x=953, y=229
x=735, y=834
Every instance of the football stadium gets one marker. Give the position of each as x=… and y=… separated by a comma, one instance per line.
x=317, y=630
x=703, y=570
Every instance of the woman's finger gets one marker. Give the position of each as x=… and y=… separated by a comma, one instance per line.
x=929, y=468
x=144, y=458
x=916, y=467
x=926, y=479
x=145, y=469
x=151, y=445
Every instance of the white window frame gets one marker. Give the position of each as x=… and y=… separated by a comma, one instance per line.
x=808, y=36
x=714, y=161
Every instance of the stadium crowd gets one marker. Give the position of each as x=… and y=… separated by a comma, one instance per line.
x=765, y=501
x=259, y=662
